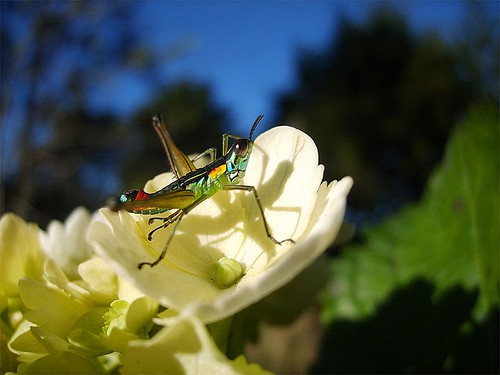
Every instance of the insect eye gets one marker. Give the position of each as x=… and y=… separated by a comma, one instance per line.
x=241, y=147
x=128, y=196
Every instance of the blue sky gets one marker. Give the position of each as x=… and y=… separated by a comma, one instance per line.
x=246, y=51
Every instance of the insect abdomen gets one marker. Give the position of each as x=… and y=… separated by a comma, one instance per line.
x=138, y=195
x=149, y=210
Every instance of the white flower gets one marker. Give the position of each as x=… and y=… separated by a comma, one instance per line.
x=55, y=325
x=66, y=244
x=228, y=229
x=20, y=253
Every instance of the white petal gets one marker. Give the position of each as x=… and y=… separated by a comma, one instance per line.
x=252, y=288
x=66, y=243
x=184, y=347
x=284, y=169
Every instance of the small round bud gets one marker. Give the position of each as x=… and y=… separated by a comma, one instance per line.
x=226, y=272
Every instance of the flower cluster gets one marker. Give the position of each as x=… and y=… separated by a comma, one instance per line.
x=73, y=299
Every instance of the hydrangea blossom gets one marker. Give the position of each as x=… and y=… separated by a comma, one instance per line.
x=55, y=324
x=95, y=322
x=220, y=259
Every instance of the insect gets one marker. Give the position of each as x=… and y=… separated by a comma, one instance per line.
x=192, y=185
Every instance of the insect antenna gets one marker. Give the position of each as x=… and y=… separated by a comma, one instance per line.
x=256, y=122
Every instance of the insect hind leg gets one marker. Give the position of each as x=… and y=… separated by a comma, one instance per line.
x=166, y=222
x=175, y=217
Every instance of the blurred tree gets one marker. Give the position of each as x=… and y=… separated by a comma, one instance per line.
x=380, y=102
x=479, y=48
x=193, y=119
x=57, y=152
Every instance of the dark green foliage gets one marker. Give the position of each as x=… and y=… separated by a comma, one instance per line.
x=414, y=332
x=450, y=242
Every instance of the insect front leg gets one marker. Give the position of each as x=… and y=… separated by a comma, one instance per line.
x=175, y=217
x=266, y=226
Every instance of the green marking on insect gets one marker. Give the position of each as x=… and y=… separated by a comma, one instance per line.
x=193, y=185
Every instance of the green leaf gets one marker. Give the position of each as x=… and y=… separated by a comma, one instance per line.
x=65, y=362
x=450, y=239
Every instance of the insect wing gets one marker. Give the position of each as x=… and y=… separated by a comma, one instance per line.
x=178, y=198
x=179, y=162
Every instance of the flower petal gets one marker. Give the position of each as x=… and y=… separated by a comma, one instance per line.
x=284, y=169
x=20, y=253
x=65, y=242
x=251, y=288
x=185, y=347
